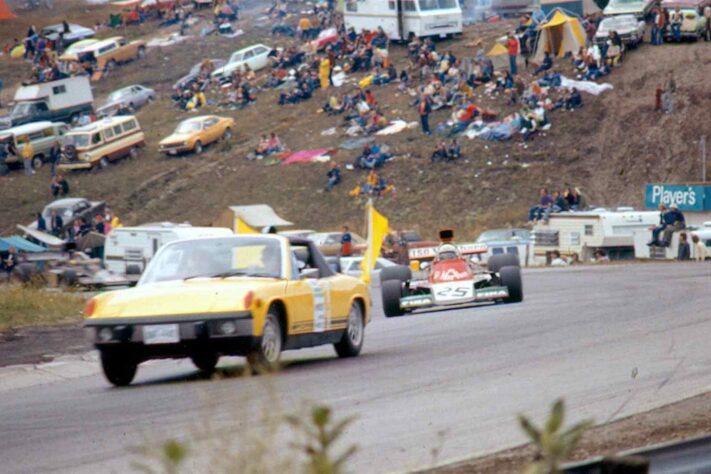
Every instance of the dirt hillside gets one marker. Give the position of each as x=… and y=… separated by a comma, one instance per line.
x=610, y=147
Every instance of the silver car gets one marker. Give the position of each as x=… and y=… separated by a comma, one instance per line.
x=131, y=98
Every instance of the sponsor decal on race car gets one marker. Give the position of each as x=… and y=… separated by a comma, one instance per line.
x=492, y=293
x=415, y=301
x=450, y=274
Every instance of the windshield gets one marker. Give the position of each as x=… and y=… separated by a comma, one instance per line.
x=427, y=5
x=78, y=140
x=21, y=110
x=216, y=258
x=188, y=127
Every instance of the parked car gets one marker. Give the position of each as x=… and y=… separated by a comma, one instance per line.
x=628, y=27
x=185, y=81
x=42, y=135
x=70, y=209
x=329, y=243
x=108, y=52
x=193, y=134
x=351, y=265
x=76, y=33
x=131, y=97
x=256, y=57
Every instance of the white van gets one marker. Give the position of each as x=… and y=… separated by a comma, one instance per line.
x=402, y=18
x=101, y=142
x=42, y=135
x=129, y=249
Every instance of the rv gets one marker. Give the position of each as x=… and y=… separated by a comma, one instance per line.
x=401, y=19
x=61, y=100
x=583, y=233
x=129, y=249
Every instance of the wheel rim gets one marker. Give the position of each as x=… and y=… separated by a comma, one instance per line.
x=37, y=163
x=198, y=148
x=271, y=342
x=355, y=325
x=133, y=153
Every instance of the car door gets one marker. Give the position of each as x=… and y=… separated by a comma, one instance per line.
x=248, y=60
x=260, y=58
x=210, y=129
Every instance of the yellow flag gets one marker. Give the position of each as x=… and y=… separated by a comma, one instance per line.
x=241, y=227
x=377, y=231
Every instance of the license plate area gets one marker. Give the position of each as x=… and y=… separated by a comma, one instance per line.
x=161, y=334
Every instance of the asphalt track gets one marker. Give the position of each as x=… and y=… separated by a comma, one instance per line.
x=612, y=340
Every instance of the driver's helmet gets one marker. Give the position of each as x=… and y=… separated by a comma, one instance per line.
x=447, y=252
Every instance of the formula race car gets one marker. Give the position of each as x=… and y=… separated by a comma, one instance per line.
x=453, y=278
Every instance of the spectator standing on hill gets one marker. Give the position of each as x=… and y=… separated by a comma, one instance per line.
x=346, y=242
x=657, y=27
x=684, y=252
x=55, y=154
x=676, y=19
x=27, y=153
x=10, y=262
x=512, y=47
x=425, y=110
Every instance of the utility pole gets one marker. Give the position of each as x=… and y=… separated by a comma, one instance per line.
x=702, y=149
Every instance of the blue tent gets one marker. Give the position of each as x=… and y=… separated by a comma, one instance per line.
x=22, y=245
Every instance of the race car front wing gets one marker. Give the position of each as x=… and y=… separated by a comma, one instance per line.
x=480, y=294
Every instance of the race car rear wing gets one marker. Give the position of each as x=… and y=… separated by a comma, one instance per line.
x=429, y=253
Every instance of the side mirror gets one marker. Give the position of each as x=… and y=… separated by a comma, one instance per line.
x=309, y=273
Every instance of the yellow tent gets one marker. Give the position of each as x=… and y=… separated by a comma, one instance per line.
x=499, y=55
x=560, y=35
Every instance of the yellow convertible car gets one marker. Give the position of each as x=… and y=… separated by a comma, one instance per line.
x=195, y=133
x=247, y=295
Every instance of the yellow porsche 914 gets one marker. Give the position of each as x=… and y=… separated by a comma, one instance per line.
x=247, y=295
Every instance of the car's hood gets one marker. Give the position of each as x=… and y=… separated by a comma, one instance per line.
x=191, y=297
x=176, y=137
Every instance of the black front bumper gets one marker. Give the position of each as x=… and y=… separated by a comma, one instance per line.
x=199, y=333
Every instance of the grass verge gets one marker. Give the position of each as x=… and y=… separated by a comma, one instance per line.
x=26, y=306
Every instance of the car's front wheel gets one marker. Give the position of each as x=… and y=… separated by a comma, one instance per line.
x=205, y=361
x=392, y=292
x=352, y=341
x=511, y=278
x=227, y=136
x=119, y=368
x=198, y=147
x=266, y=357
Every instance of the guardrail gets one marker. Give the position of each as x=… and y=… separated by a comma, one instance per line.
x=681, y=457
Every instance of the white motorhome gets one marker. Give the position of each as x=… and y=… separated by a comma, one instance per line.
x=402, y=18
x=583, y=233
x=129, y=249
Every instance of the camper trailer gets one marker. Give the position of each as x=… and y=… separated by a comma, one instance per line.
x=402, y=18
x=583, y=233
x=129, y=249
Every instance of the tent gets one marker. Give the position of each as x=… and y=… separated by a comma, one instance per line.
x=246, y=219
x=560, y=35
x=5, y=13
x=499, y=56
x=22, y=245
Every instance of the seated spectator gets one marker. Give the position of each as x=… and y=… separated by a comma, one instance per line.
x=545, y=65
x=557, y=260
x=550, y=79
x=439, y=153
x=536, y=212
x=600, y=256
x=334, y=176
x=454, y=151
x=59, y=186
x=676, y=222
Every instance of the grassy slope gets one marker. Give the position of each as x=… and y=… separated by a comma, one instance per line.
x=610, y=147
x=23, y=306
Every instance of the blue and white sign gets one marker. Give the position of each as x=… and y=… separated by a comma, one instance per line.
x=687, y=197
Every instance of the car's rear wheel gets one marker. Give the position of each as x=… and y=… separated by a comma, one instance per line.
x=37, y=162
x=352, y=341
x=497, y=262
x=198, y=147
x=205, y=361
x=227, y=136
x=392, y=292
x=266, y=357
x=119, y=368
x=511, y=278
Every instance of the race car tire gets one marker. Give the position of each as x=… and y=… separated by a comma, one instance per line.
x=265, y=358
x=399, y=272
x=205, y=361
x=511, y=278
x=392, y=292
x=352, y=340
x=119, y=369
x=497, y=262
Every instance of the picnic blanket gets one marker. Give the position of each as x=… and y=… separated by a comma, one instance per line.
x=396, y=126
x=585, y=86
x=306, y=156
x=355, y=143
